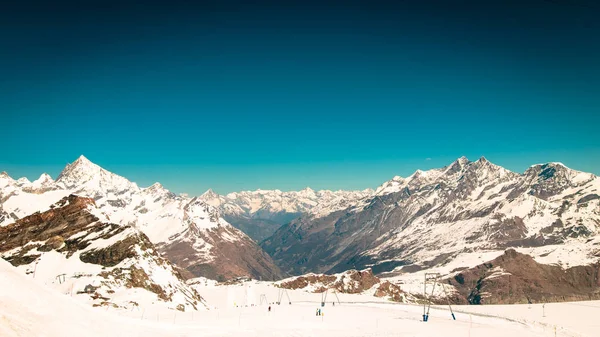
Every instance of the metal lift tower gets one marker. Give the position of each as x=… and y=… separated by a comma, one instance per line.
x=433, y=278
x=324, y=296
x=282, y=292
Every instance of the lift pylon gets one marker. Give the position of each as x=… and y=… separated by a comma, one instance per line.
x=433, y=278
x=324, y=296
x=283, y=291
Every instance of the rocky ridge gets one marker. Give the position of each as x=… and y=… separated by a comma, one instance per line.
x=348, y=282
x=73, y=246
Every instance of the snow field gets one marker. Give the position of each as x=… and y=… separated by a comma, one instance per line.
x=27, y=308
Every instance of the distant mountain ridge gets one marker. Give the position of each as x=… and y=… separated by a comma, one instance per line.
x=260, y=213
x=432, y=217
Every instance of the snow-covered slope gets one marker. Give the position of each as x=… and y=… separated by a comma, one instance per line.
x=27, y=308
x=191, y=233
x=431, y=217
x=260, y=213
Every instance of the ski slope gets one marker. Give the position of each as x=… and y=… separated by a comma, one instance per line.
x=28, y=308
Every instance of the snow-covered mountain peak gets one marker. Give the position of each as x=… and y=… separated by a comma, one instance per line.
x=82, y=174
x=307, y=193
x=487, y=170
x=480, y=170
x=209, y=194
x=391, y=186
x=211, y=198
x=40, y=185
x=457, y=166
x=156, y=187
x=44, y=179
x=418, y=173
x=232, y=195
x=82, y=160
x=422, y=178
x=82, y=164
x=79, y=172
x=462, y=160
x=5, y=182
x=158, y=192
x=23, y=181
x=557, y=174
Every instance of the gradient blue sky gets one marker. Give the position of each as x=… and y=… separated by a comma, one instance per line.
x=286, y=94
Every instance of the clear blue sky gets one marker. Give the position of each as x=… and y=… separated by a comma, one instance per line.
x=288, y=94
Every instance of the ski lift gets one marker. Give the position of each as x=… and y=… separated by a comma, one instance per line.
x=433, y=278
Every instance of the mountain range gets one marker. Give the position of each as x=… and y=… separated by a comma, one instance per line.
x=432, y=217
x=451, y=216
x=260, y=213
x=187, y=231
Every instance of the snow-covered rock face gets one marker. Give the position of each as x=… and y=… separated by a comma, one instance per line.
x=430, y=217
x=259, y=213
x=71, y=246
x=83, y=174
x=167, y=219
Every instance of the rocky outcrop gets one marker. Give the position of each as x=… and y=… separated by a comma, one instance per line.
x=318, y=283
x=349, y=282
x=391, y=291
x=42, y=231
x=517, y=278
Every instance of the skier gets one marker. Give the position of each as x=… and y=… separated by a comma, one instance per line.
x=269, y=308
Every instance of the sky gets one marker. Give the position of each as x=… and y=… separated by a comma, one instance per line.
x=241, y=95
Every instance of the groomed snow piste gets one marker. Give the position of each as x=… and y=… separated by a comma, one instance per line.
x=28, y=308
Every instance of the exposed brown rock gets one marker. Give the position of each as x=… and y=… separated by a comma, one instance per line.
x=304, y=281
x=350, y=282
x=55, y=242
x=517, y=278
x=63, y=221
x=114, y=254
x=390, y=290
